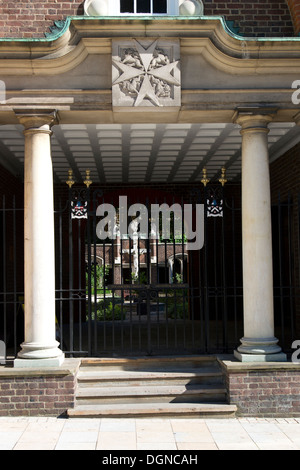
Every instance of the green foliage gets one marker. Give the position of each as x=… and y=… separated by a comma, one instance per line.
x=108, y=311
x=98, y=276
x=140, y=279
x=177, y=310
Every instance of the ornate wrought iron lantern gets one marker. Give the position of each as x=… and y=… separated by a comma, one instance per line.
x=79, y=197
x=214, y=194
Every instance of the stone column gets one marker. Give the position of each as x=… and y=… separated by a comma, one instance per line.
x=40, y=348
x=259, y=343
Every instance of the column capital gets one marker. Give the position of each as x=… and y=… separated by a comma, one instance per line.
x=37, y=119
x=254, y=119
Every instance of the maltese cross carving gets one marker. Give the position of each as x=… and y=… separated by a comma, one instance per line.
x=146, y=74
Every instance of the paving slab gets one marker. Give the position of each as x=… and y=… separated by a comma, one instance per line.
x=149, y=434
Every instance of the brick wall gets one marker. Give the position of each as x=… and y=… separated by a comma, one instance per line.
x=264, y=18
x=32, y=18
x=264, y=391
x=36, y=394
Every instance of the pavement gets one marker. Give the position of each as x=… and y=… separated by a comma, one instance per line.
x=155, y=434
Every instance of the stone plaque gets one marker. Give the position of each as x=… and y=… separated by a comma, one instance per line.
x=146, y=73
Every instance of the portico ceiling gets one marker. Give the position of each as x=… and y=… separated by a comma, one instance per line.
x=144, y=153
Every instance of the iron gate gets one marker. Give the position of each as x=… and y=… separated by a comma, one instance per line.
x=148, y=295
x=200, y=312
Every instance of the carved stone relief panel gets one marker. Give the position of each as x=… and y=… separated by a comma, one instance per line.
x=146, y=73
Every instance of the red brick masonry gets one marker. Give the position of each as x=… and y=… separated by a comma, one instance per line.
x=266, y=390
x=35, y=392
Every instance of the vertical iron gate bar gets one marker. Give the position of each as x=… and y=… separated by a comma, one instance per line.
x=190, y=282
x=280, y=248
x=149, y=345
x=206, y=297
x=139, y=326
x=113, y=281
x=224, y=290
x=201, y=293
x=4, y=270
x=71, y=317
x=234, y=268
x=169, y=273
x=104, y=288
x=14, y=275
x=122, y=272
x=154, y=282
x=201, y=287
x=61, y=302
x=297, y=230
x=291, y=264
x=298, y=240
x=216, y=287
x=174, y=277
x=158, y=280
x=79, y=285
x=183, y=280
x=148, y=291
x=95, y=276
x=89, y=281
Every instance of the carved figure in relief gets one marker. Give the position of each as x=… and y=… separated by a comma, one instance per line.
x=162, y=89
x=160, y=59
x=132, y=59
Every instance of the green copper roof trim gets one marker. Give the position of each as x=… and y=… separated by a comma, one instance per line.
x=60, y=27
x=231, y=26
x=56, y=30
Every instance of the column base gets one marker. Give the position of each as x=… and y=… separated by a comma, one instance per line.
x=39, y=363
x=39, y=355
x=260, y=350
x=259, y=346
x=278, y=357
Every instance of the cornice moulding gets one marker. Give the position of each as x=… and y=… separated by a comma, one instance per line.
x=260, y=60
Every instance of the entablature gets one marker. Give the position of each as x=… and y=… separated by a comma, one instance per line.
x=219, y=70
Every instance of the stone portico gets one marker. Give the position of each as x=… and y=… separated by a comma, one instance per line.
x=209, y=76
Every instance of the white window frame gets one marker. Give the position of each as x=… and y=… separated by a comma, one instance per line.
x=172, y=9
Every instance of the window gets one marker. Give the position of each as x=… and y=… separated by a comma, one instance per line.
x=154, y=7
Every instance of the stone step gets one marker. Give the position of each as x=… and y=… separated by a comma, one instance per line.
x=151, y=386
x=146, y=394
x=91, y=378
x=167, y=363
x=152, y=410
